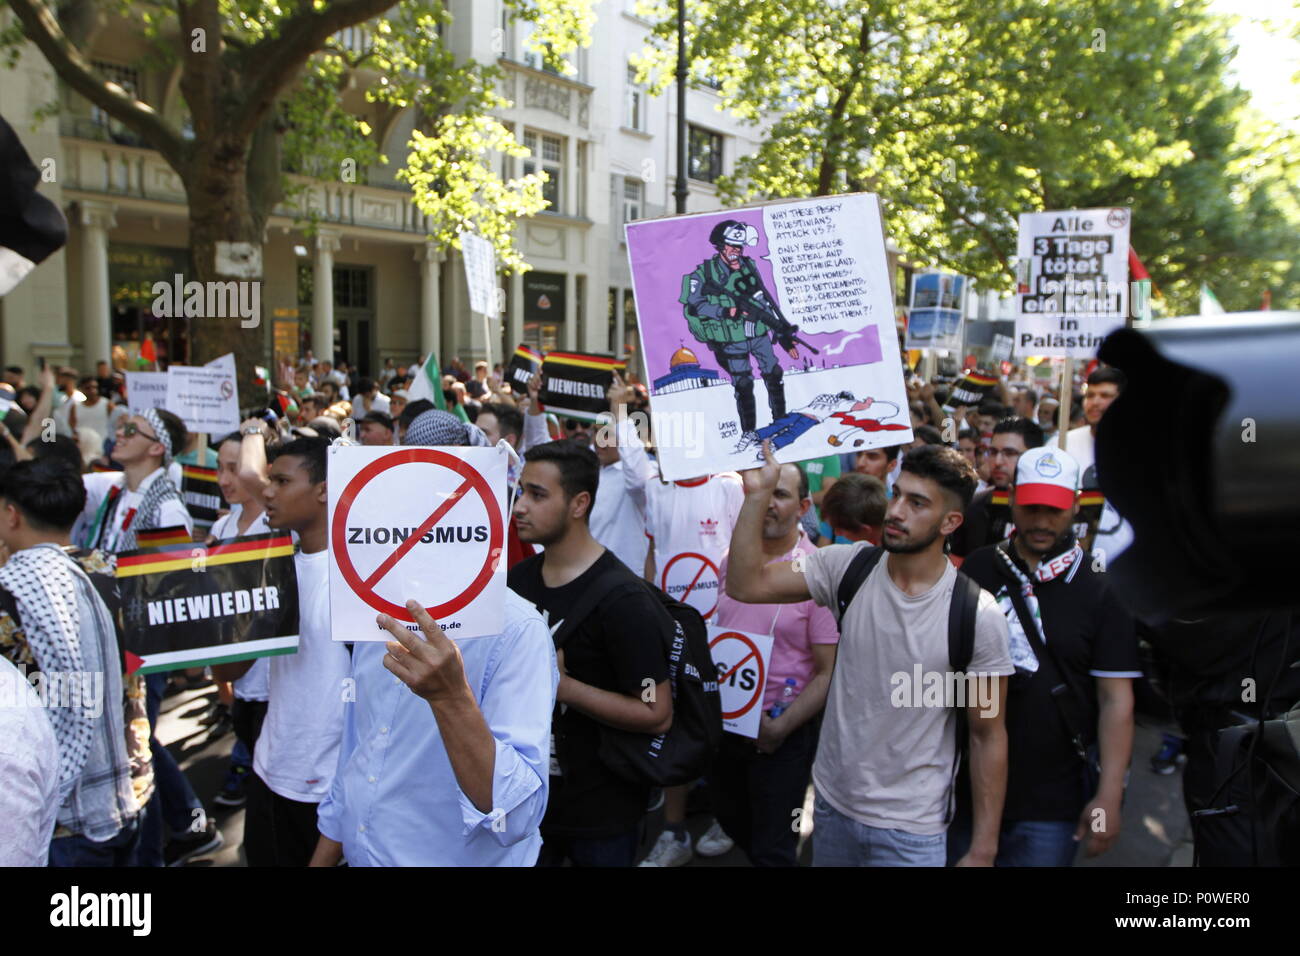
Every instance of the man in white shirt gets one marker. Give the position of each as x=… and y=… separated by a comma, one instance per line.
x=369, y=399
x=141, y=497
x=1104, y=386
x=618, y=516
x=297, y=750
x=29, y=767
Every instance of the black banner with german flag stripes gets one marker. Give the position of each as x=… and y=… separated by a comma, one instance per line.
x=575, y=384
x=971, y=389
x=522, y=365
x=185, y=605
x=201, y=494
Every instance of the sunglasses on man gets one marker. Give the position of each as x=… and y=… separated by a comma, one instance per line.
x=131, y=428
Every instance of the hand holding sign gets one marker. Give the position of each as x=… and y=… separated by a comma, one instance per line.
x=764, y=478
x=430, y=666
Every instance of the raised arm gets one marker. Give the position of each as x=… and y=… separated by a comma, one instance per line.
x=749, y=579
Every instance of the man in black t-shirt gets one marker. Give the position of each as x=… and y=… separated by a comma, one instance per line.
x=988, y=516
x=1054, y=798
x=613, y=668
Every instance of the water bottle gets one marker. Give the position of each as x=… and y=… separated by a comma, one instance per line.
x=787, y=695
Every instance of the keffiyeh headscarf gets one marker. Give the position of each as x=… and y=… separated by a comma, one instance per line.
x=164, y=436
x=436, y=427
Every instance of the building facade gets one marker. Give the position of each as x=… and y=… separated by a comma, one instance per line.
x=607, y=146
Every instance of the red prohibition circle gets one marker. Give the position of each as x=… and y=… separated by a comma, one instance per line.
x=762, y=673
x=338, y=532
x=707, y=564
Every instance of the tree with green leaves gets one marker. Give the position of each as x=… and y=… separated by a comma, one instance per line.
x=962, y=114
x=262, y=84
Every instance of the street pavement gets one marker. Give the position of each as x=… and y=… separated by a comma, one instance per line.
x=1155, y=828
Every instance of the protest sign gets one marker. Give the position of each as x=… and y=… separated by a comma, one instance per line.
x=742, y=660
x=205, y=398
x=1073, y=280
x=480, y=272
x=575, y=384
x=971, y=389
x=934, y=320
x=201, y=494
x=1000, y=351
x=186, y=605
x=146, y=390
x=523, y=364
x=773, y=322
x=416, y=523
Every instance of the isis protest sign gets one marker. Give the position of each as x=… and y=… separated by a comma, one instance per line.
x=934, y=320
x=416, y=523
x=205, y=397
x=575, y=384
x=742, y=660
x=1073, y=280
x=186, y=605
x=146, y=390
x=523, y=364
x=771, y=322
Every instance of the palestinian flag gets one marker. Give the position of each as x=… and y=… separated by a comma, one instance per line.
x=188, y=606
x=576, y=384
x=427, y=383
x=285, y=403
x=1140, y=294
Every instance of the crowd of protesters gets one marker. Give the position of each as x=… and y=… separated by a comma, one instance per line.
x=975, y=550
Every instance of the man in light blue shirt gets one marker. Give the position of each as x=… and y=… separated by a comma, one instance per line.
x=445, y=747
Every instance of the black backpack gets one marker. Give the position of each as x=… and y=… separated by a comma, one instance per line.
x=961, y=632
x=685, y=752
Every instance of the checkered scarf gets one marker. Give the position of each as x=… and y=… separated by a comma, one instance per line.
x=146, y=517
x=71, y=632
x=436, y=427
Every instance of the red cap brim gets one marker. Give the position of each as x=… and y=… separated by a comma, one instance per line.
x=1041, y=493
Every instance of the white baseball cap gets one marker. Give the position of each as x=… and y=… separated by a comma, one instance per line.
x=1047, y=476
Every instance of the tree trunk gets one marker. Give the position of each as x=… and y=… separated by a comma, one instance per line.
x=226, y=244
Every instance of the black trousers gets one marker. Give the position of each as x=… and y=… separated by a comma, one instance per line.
x=277, y=831
x=758, y=798
x=247, y=717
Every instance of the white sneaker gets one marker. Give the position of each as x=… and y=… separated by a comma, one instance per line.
x=715, y=841
x=669, y=851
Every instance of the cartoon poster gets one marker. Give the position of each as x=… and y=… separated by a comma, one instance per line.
x=771, y=322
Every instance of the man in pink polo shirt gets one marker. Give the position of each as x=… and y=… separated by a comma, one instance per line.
x=758, y=785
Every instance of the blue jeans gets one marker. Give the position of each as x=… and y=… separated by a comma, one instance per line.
x=617, y=850
x=1037, y=843
x=842, y=841
x=173, y=800
x=78, y=851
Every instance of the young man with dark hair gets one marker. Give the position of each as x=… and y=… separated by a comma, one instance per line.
x=879, y=463
x=1082, y=638
x=59, y=610
x=1104, y=386
x=988, y=518
x=879, y=803
x=613, y=669
x=297, y=750
x=368, y=398
x=500, y=421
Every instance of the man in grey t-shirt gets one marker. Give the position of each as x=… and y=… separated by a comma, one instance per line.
x=885, y=764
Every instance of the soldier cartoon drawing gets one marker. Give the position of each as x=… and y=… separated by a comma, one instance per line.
x=729, y=310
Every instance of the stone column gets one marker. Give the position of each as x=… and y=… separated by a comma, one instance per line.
x=571, y=317
x=96, y=219
x=322, y=303
x=620, y=325
x=430, y=257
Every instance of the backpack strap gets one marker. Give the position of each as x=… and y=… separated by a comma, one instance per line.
x=961, y=622
x=615, y=579
x=859, y=569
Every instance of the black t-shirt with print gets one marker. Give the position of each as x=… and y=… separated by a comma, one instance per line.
x=618, y=646
x=1092, y=634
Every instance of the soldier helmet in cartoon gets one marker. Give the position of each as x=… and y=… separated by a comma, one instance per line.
x=732, y=233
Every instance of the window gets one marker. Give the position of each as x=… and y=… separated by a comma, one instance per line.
x=352, y=287
x=580, y=181
x=634, y=113
x=548, y=160
x=129, y=80
x=705, y=150
x=633, y=199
